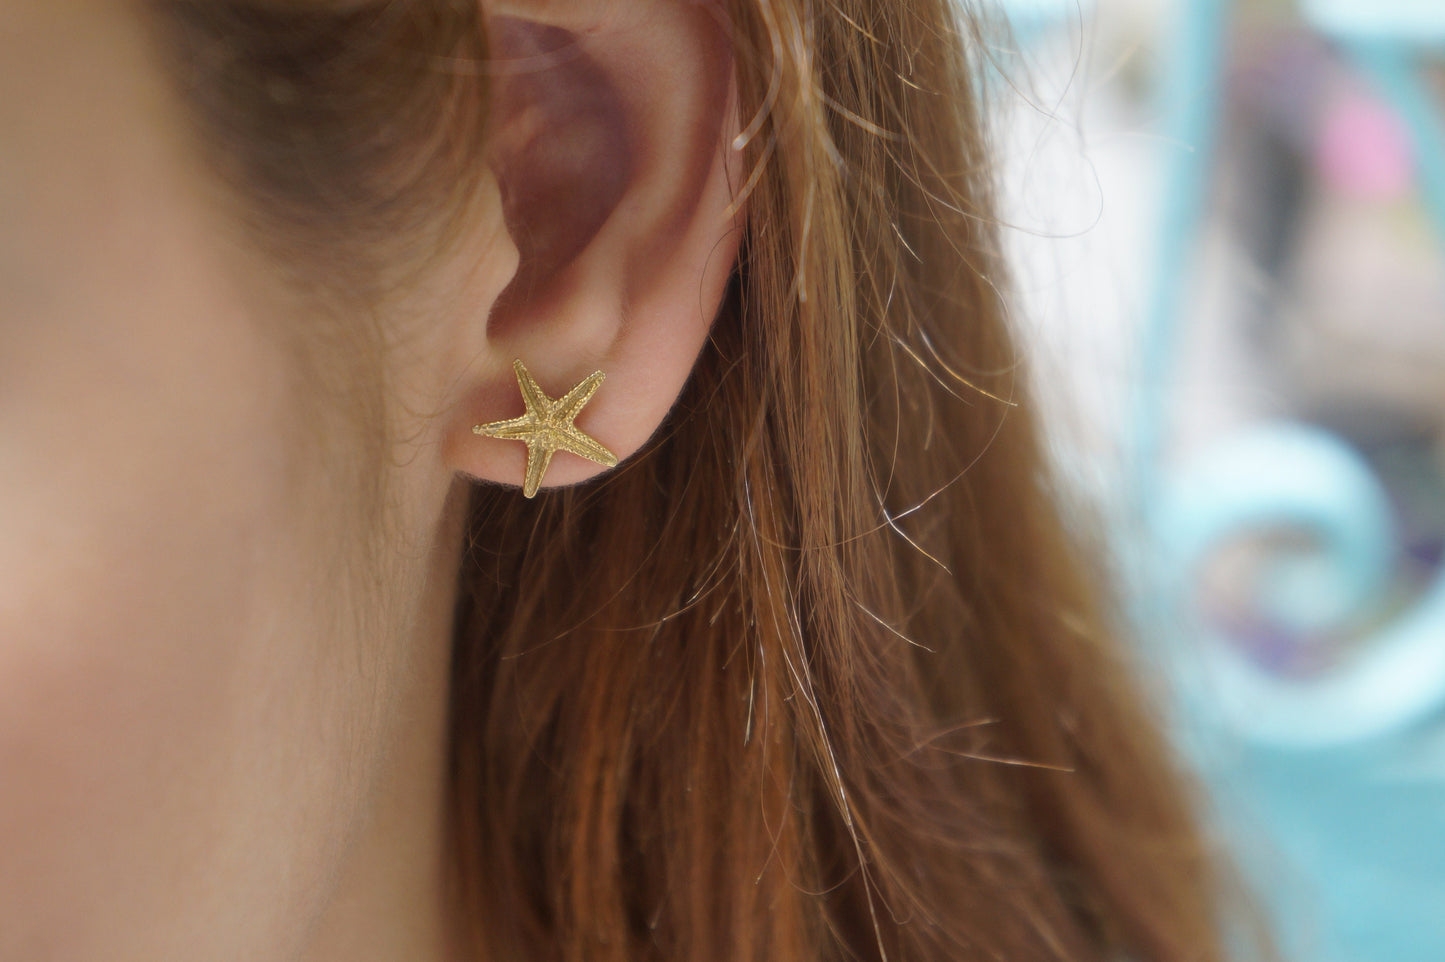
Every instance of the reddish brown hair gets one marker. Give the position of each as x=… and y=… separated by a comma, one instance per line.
x=821, y=674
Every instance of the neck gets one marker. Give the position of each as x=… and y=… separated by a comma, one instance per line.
x=391, y=900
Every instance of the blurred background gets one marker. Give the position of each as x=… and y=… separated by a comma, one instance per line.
x=1227, y=224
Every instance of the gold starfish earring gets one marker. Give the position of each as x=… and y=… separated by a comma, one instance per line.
x=547, y=426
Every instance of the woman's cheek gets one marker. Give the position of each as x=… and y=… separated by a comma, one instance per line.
x=150, y=650
x=159, y=650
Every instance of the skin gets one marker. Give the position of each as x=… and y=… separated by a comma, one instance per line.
x=198, y=758
x=218, y=738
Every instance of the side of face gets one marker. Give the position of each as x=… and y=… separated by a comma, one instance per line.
x=186, y=695
x=199, y=682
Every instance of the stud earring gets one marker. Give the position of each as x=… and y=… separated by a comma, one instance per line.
x=547, y=426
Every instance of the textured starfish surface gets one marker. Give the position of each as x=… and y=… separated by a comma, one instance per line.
x=547, y=426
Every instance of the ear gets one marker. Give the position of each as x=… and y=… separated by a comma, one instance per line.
x=612, y=144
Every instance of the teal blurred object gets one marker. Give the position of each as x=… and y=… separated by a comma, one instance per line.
x=1029, y=21
x=1389, y=41
x=1332, y=782
x=1395, y=22
x=1305, y=480
x=1028, y=16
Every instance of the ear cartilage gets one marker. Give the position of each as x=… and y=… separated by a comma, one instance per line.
x=547, y=426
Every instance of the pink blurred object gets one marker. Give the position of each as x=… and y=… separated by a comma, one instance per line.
x=1364, y=150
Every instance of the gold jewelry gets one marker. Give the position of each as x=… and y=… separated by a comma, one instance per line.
x=547, y=426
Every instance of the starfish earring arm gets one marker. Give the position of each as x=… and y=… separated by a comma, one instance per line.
x=547, y=426
x=538, y=458
x=573, y=401
x=517, y=428
x=532, y=394
x=584, y=447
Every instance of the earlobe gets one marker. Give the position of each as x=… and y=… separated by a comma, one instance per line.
x=614, y=154
x=547, y=426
